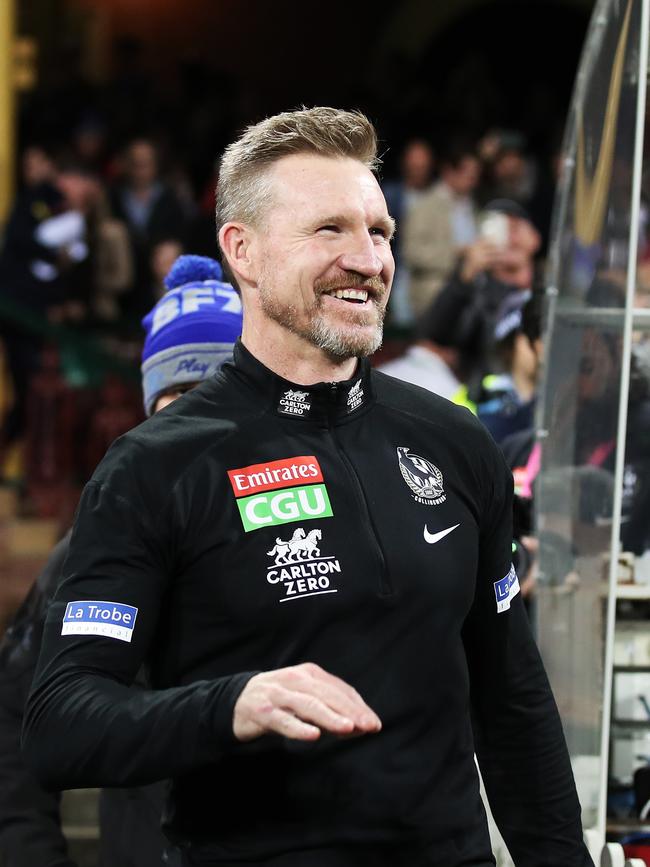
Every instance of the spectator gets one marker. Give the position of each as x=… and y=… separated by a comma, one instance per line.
x=45, y=242
x=416, y=169
x=37, y=166
x=113, y=265
x=488, y=271
x=508, y=398
x=508, y=173
x=151, y=212
x=89, y=144
x=163, y=255
x=439, y=360
x=440, y=226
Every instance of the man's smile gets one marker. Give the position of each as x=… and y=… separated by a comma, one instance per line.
x=355, y=295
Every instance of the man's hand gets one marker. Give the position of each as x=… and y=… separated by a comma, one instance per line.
x=300, y=702
x=478, y=257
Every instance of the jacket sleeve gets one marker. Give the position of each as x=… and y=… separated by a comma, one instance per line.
x=519, y=740
x=30, y=822
x=84, y=725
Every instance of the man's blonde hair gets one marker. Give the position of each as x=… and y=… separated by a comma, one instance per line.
x=243, y=187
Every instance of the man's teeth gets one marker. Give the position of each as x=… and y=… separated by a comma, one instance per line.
x=351, y=294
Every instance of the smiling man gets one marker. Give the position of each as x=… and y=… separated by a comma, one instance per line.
x=314, y=561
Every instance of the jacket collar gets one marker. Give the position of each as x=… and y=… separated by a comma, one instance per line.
x=330, y=402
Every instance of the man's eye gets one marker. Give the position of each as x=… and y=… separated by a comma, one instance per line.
x=378, y=230
x=330, y=227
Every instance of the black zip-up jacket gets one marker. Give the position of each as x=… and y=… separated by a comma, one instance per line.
x=364, y=526
x=30, y=820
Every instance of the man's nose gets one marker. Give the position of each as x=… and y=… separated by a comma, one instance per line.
x=361, y=256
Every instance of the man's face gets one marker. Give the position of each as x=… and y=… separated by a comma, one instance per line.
x=141, y=164
x=37, y=167
x=322, y=254
x=463, y=177
x=417, y=164
x=171, y=394
x=79, y=191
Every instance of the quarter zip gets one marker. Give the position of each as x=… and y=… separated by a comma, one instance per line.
x=385, y=586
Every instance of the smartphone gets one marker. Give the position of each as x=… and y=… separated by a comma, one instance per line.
x=494, y=228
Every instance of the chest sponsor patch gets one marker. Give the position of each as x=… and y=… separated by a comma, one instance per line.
x=107, y=619
x=506, y=589
x=300, y=568
x=279, y=492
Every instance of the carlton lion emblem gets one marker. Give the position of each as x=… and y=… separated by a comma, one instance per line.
x=423, y=478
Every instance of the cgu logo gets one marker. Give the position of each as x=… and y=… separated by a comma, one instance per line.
x=282, y=507
x=262, y=502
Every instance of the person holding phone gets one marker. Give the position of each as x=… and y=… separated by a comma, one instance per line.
x=500, y=262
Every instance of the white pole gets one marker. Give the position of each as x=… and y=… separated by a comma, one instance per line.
x=622, y=417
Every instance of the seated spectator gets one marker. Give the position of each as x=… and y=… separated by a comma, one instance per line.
x=507, y=402
x=151, y=212
x=488, y=271
x=30, y=823
x=440, y=226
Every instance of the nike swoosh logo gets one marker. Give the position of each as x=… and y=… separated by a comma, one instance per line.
x=432, y=538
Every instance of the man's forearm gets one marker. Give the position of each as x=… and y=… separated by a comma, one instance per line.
x=83, y=729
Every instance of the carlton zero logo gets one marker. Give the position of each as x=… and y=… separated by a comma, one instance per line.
x=423, y=478
x=271, y=493
x=294, y=403
x=93, y=617
x=299, y=568
x=355, y=397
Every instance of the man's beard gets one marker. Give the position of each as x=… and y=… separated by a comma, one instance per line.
x=337, y=340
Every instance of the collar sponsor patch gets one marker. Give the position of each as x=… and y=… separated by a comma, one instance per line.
x=355, y=396
x=296, y=403
x=506, y=589
x=106, y=619
x=272, y=493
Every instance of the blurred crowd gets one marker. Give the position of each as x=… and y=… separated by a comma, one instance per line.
x=114, y=185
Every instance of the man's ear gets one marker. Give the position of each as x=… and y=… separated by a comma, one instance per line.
x=235, y=240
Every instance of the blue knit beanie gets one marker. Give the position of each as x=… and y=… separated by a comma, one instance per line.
x=191, y=330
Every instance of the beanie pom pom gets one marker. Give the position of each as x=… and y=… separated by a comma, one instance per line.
x=192, y=269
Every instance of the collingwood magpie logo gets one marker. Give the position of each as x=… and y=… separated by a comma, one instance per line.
x=294, y=403
x=423, y=478
x=355, y=396
x=300, y=568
